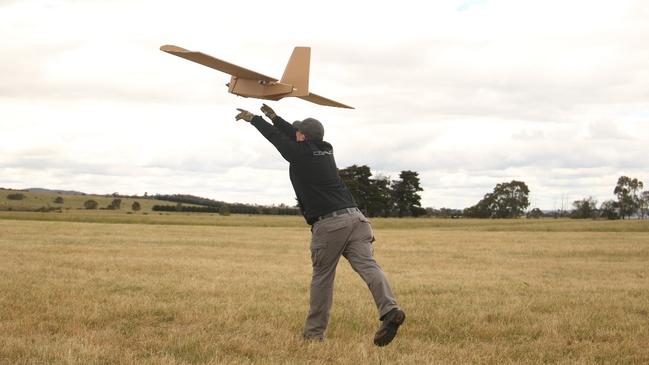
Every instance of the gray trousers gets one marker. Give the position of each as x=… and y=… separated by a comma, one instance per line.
x=351, y=236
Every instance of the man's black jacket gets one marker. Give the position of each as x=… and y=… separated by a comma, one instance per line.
x=312, y=170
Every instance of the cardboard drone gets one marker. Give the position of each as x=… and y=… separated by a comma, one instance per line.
x=251, y=84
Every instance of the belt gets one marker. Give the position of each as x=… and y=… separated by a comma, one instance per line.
x=337, y=213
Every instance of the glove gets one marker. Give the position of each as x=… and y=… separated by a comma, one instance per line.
x=270, y=113
x=245, y=115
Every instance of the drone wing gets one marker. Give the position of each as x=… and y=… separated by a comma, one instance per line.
x=215, y=63
x=323, y=101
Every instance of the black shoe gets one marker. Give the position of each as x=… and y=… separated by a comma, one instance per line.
x=391, y=322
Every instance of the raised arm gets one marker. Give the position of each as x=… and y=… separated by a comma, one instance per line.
x=288, y=148
x=279, y=123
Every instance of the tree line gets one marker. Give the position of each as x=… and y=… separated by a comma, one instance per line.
x=115, y=204
x=376, y=196
x=631, y=201
x=226, y=209
x=510, y=200
x=205, y=205
x=380, y=196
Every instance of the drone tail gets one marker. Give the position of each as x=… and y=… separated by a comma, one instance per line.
x=296, y=72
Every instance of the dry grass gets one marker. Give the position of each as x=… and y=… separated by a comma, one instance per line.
x=474, y=291
x=240, y=220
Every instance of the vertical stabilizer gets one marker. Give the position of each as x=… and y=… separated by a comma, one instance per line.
x=297, y=71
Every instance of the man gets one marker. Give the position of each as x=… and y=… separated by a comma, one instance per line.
x=338, y=228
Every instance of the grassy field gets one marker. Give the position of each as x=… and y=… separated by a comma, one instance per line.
x=105, y=287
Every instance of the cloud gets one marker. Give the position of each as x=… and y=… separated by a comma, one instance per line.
x=607, y=131
x=467, y=5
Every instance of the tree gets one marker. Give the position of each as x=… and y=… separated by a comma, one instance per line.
x=405, y=194
x=381, y=197
x=644, y=204
x=608, y=210
x=535, y=213
x=90, y=204
x=483, y=209
x=357, y=179
x=380, y=204
x=508, y=200
x=136, y=206
x=626, y=191
x=417, y=211
x=585, y=208
x=58, y=200
x=116, y=204
x=16, y=196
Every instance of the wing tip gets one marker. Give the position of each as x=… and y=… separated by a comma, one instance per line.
x=170, y=48
x=321, y=100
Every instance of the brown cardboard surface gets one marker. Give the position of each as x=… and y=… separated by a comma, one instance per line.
x=248, y=83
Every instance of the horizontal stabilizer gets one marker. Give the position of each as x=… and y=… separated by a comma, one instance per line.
x=215, y=63
x=323, y=101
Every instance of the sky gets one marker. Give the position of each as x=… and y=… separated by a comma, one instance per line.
x=468, y=93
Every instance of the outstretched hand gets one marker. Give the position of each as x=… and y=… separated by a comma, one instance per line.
x=244, y=114
x=270, y=113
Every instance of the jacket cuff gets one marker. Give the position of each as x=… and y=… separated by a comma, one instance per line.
x=257, y=119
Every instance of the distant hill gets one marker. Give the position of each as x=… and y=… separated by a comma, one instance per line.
x=61, y=192
x=41, y=199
